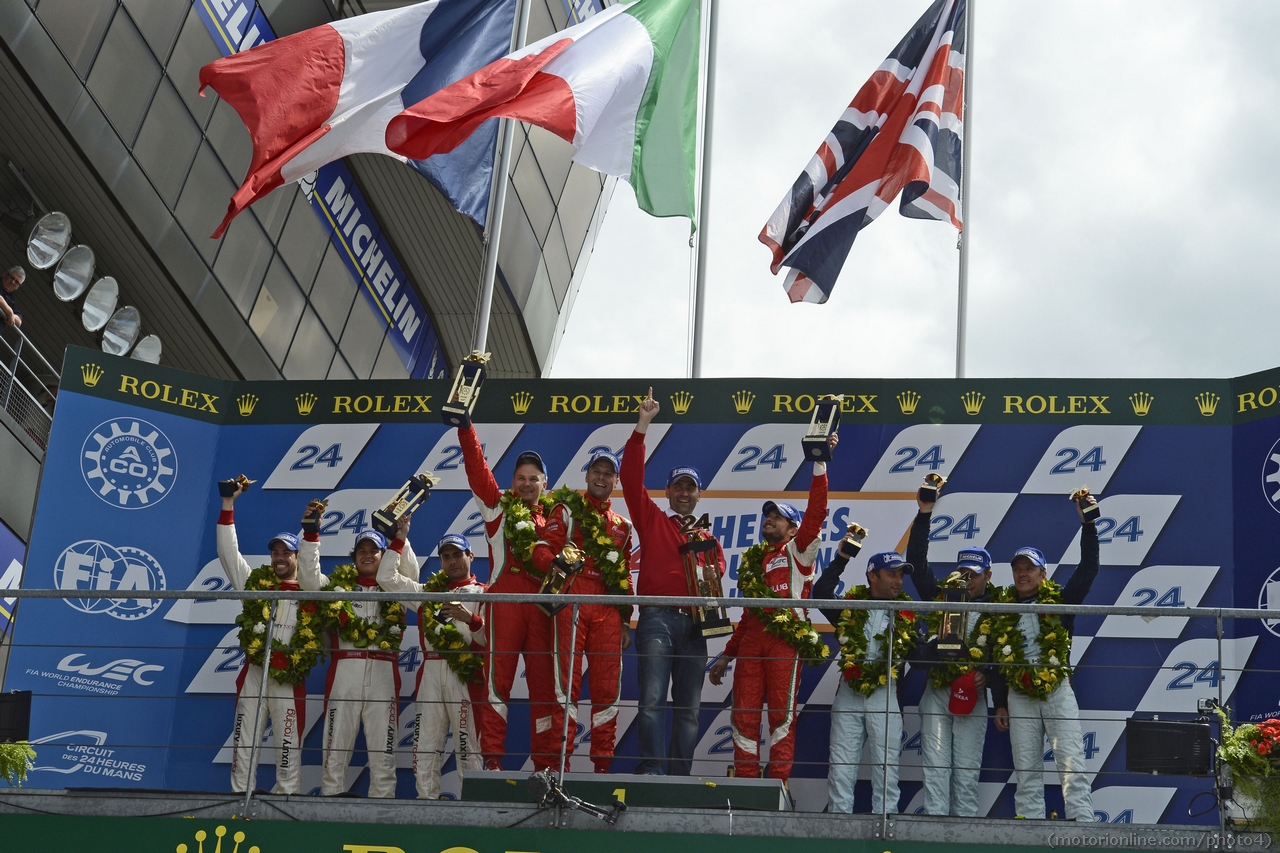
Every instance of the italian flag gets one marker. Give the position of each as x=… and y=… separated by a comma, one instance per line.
x=621, y=87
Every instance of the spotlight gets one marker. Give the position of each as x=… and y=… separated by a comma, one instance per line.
x=148, y=350
x=49, y=240
x=100, y=304
x=121, y=331
x=73, y=274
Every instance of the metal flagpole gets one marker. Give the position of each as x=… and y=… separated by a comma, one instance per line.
x=497, y=201
x=699, y=292
x=962, y=301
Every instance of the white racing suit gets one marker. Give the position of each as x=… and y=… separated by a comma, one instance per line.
x=363, y=687
x=857, y=720
x=443, y=702
x=951, y=747
x=285, y=704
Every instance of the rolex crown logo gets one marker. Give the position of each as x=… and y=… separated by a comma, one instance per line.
x=973, y=402
x=521, y=401
x=907, y=402
x=680, y=402
x=246, y=403
x=1141, y=403
x=1208, y=403
x=221, y=832
x=742, y=401
x=306, y=402
x=90, y=373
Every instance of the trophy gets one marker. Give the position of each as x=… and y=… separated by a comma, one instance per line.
x=230, y=488
x=564, y=566
x=1091, y=510
x=951, y=630
x=851, y=544
x=411, y=495
x=461, y=402
x=933, y=484
x=703, y=577
x=825, y=421
x=314, y=512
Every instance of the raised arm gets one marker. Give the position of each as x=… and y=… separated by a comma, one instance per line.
x=1077, y=589
x=644, y=512
x=390, y=578
x=922, y=576
x=830, y=579
x=815, y=514
x=309, y=575
x=479, y=476
x=235, y=567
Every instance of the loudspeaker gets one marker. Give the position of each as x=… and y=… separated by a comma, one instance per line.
x=1168, y=748
x=15, y=716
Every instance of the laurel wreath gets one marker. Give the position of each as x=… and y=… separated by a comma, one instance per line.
x=942, y=674
x=867, y=676
x=783, y=623
x=445, y=637
x=340, y=617
x=291, y=661
x=597, y=544
x=518, y=528
x=1042, y=677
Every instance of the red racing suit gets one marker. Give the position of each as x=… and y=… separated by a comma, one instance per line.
x=768, y=668
x=599, y=636
x=510, y=629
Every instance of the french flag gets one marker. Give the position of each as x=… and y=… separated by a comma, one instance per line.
x=316, y=96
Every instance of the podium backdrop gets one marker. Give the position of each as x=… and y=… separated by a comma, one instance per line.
x=139, y=692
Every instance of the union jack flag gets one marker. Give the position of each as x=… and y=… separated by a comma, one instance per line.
x=903, y=131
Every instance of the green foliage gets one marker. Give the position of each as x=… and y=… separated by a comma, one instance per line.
x=15, y=760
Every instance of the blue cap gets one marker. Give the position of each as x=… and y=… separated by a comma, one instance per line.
x=605, y=453
x=888, y=560
x=1033, y=554
x=974, y=558
x=457, y=540
x=373, y=536
x=531, y=457
x=290, y=541
x=787, y=511
x=685, y=471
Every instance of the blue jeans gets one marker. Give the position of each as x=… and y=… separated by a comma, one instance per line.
x=672, y=653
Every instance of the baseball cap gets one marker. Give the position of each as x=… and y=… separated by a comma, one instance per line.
x=889, y=560
x=457, y=540
x=531, y=457
x=604, y=453
x=290, y=541
x=1032, y=554
x=976, y=559
x=787, y=511
x=685, y=471
x=373, y=536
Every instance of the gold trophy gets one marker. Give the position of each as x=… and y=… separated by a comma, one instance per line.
x=411, y=495
x=462, y=398
x=229, y=488
x=951, y=629
x=563, y=567
x=825, y=421
x=703, y=577
x=1091, y=509
x=933, y=484
x=851, y=544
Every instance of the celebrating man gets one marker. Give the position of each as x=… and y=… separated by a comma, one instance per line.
x=513, y=522
x=295, y=649
x=451, y=679
x=768, y=642
x=671, y=647
x=1034, y=653
x=603, y=630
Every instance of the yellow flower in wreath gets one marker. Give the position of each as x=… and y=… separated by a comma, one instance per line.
x=884, y=679
x=984, y=628
x=975, y=653
x=384, y=645
x=371, y=633
x=266, y=611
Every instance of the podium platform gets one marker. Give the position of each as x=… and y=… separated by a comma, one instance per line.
x=687, y=792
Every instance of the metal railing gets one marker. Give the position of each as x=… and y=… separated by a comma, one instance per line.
x=1217, y=615
x=28, y=385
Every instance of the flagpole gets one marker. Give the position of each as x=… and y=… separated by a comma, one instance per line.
x=497, y=200
x=700, y=279
x=966, y=175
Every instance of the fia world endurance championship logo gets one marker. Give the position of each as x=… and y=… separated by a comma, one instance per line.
x=92, y=564
x=128, y=463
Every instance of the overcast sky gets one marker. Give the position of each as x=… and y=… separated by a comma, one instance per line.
x=1125, y=212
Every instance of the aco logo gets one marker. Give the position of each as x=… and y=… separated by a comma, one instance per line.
x=129, y=463
x=1271, y=477
x=1269, y=599
x=92, y=564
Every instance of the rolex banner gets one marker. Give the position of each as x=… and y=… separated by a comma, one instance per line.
x=140, y=692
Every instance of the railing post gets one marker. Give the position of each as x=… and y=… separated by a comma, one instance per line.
x=257, y=715
x=1222, y=677
x=568, y=691
x=13, y=371
x=890, y=688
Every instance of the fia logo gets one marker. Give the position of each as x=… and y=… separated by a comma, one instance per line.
x=129, y=463
x=1271, y=476
x=92, y=564
x=1269, y=599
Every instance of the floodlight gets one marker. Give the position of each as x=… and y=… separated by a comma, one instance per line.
x=100, y=303
x=121, y=331
x=74, y=272
x=148, y=350
x=49, y=240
